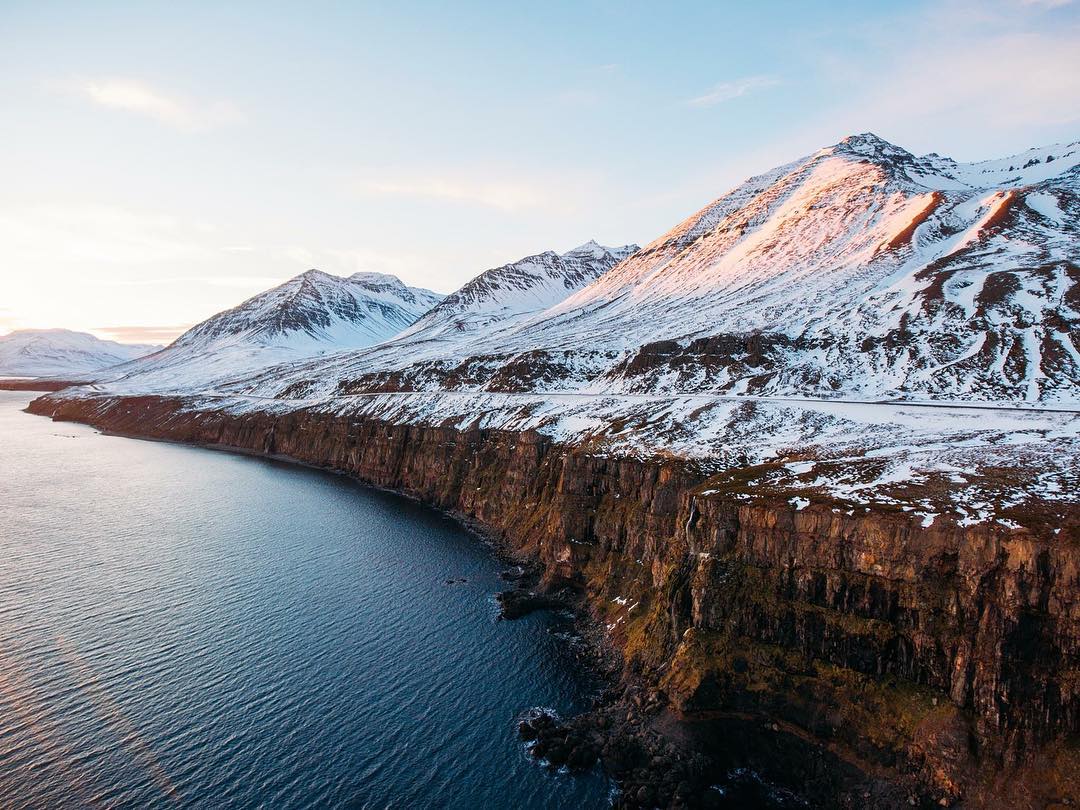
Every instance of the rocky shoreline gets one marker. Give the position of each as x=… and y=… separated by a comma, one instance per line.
x=658, y=759
x=852, y=660
x=624, y=732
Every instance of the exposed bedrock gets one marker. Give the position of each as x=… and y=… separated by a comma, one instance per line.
x=944, y=658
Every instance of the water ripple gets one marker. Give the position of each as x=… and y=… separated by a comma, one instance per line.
x=192, y=629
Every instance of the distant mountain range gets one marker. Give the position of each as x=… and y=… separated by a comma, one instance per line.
x=510, y=292
x=316, y=314
x=314, y=311
x=62, y=353
x=494, y=303
x=858, y=271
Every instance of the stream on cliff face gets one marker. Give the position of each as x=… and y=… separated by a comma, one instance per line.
x=184, y=627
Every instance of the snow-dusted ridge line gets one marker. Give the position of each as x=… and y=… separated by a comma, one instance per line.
x=312, y=314
x=860, y=271
x=318, y=307
x=317, y=317
x=502, y=296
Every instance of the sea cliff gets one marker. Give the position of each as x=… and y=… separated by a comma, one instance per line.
x=859, y=657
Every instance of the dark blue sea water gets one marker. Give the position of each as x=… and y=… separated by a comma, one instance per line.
x=182, y=627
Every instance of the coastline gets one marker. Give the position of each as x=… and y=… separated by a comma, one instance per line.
x=682, y=689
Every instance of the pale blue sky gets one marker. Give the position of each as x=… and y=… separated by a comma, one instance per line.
x=162, y=161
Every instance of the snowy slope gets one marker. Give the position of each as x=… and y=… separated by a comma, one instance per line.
x=501, y=298
x=62, y=353
x=858, y=271
x=316, y=309
x=526, y=286
x=313, y=314
x=491, y=305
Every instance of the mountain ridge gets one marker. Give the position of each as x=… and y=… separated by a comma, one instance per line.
x=307, y=315
x=309, y=302
x=528, y=284
x=856, y=271
x=493, y=301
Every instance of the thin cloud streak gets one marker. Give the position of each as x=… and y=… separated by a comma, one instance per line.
x=999, y=79
x=134, y=96
x=726, y=91
x=504, y=196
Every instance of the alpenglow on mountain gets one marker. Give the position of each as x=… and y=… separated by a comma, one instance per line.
x=860, y=270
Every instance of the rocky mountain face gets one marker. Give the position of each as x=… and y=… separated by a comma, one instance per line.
x=313, y=314
x=62, y=353
x=860, y=270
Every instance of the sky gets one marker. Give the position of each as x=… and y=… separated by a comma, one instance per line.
x=161, y=162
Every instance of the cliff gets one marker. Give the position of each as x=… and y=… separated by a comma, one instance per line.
x=862, y=658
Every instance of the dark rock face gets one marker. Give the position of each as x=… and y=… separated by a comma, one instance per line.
x=711, y=363
x=863, y=658
x=519, y=602
x=36, y=384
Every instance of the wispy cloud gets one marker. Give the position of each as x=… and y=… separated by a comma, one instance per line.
x=726, y=91
x=138, y=97
x=94, y=234
x=504, y=195
x=1046, y=3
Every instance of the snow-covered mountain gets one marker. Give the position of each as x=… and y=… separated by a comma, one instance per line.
x=316, y=309
x=312, y=314
x=517, y=289
x=492, y=304
x=858, y=271
x=61, y=353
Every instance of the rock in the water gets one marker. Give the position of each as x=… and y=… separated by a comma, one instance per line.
x=520, y=602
